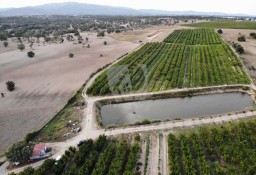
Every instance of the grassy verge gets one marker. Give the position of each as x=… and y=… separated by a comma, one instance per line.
x=59, y=127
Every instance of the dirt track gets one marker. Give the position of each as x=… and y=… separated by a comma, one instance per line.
x=46, y=82
x=151, y=34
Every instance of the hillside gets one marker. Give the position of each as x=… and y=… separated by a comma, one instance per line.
x=74, y=8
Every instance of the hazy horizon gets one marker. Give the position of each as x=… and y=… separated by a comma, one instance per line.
x=239, y=7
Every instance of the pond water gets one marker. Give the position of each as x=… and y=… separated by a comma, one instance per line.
x=162, y=109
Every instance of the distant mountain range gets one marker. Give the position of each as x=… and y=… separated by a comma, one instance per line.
x=74, y=8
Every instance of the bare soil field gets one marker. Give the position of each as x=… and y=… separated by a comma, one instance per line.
x=154, y=34
x=46, y=82
x=249, y=57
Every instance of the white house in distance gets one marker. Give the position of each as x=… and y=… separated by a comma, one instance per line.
x=39, y=151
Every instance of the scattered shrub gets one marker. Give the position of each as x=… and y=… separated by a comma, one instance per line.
x=101, y=34
x=238, y=48
x=71, y=55
x=10, y=85
x=27, y=171
x=3, y=36
x=220, y=31
x=5, y=43
x=241, y=38
x=252, y=34
x=21, y=47
x=137, y=137
x=30, y=136
x=31, y=54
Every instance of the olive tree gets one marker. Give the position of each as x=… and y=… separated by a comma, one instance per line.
x=21, y=47
x=3, y=36
x=220, y=31
x=71, y=55
x=10, y=85
x=5, y=43
x=101, y=34
x=31, y=54
x=241, y=38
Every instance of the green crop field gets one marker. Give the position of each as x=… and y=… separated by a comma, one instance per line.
x=194, y=36
x=175, y=65
x=229, y=24
x=228, y=149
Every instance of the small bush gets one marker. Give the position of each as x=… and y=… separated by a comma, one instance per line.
x=220, y=31
x=71, y=55
x=5, y=43
x=137, y=137
x=252, y=34
x=3, y=36
x=101, y=34
x=118, y=31
x=31, y=54
x=21, y=47
x=238, y=48
x=27, y=171
x=241, y=39
x=10, y=85
x=30, y=136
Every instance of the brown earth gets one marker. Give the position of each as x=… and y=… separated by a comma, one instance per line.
x=249, y=57
x=151, y=34
x=46, y=82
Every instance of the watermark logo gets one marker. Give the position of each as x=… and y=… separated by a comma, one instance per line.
x=122, y=81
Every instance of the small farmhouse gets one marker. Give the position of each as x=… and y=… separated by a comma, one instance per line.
x=39, y=151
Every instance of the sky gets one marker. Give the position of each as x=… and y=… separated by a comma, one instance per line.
x=226, y=6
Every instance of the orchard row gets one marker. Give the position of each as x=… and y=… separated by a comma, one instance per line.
x=194, y=37
x=161, y=66
x=228, y=149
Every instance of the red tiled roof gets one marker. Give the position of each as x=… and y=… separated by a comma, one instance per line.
x=38, y=148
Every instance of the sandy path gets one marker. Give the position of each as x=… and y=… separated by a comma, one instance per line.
x=153, y=155
x=162, y=163
x=164, y=148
